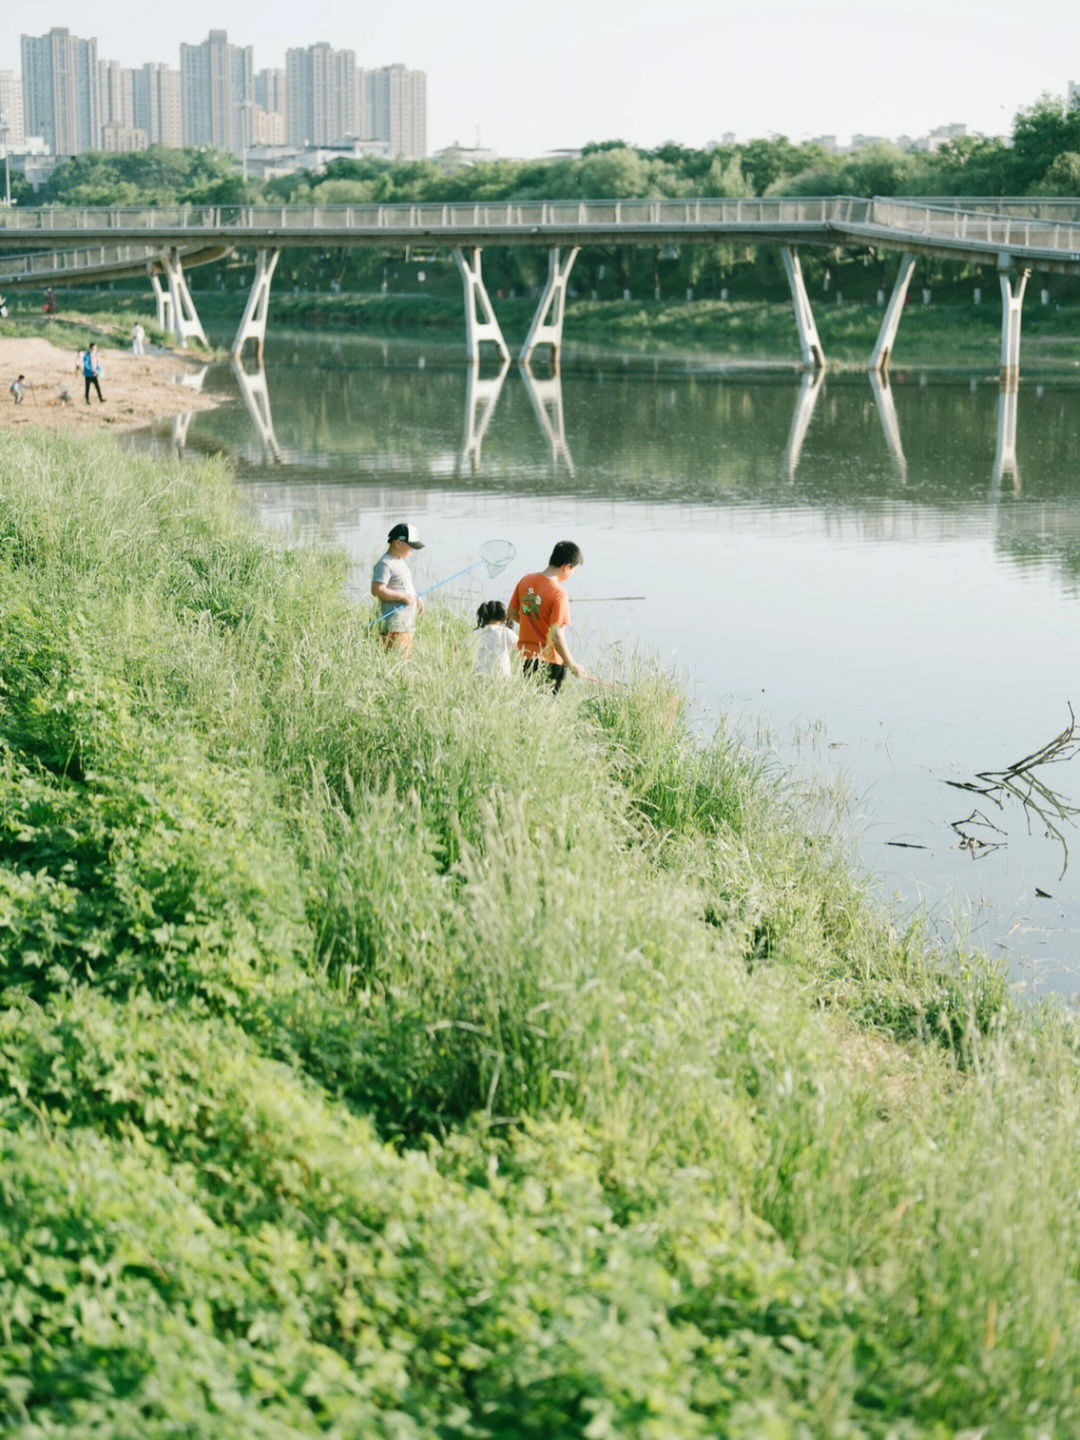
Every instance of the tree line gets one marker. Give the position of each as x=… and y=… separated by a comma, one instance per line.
x=1040, y=157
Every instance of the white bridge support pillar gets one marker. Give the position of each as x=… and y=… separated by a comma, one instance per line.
x=1005, y=458
x=809, y=391
x=478, y=330
x=481, y=397
x=183, y=318
x=1012, y=303
x=163, y=301
x=257, y=399
x=886, y=408
x=547, y=403
x=547, y=325
x=253, y=324
x=812, y=354
x=879, y=360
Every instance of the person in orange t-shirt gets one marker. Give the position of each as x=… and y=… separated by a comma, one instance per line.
x=541, y=611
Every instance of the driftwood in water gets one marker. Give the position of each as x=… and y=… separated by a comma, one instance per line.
x=1019, y=782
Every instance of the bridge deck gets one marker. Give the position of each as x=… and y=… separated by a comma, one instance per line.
x=1042, y=234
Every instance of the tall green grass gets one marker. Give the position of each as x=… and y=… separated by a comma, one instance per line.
x=383, y=1054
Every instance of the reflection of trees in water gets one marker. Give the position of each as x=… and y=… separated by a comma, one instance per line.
x=1049, y=535
x=661, y=430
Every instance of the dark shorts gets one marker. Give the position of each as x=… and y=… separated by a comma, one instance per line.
x=552, y=674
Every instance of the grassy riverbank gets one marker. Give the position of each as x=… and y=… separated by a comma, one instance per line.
x=383, y=1055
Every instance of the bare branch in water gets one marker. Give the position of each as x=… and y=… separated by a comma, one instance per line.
x=975, y=844
x=1018, y=782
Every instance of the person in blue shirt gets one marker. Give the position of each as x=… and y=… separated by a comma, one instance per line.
x=91, y=369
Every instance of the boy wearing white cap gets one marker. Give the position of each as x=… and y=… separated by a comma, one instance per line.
x=392, y=586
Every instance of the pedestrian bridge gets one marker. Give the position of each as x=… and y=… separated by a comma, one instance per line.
x=1015, y=235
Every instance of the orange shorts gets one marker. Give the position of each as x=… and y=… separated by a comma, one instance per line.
x=399, y=640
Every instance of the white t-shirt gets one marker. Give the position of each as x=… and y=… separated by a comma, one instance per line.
x=395, y=575
x=494, y=646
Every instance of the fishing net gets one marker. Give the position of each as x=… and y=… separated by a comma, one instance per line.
x=496, y=555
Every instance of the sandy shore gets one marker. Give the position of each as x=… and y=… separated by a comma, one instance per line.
x=138, y=389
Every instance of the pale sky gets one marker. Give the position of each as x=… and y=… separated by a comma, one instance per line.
x=530, y=76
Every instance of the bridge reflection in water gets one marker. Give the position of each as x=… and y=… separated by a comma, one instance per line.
x=482, y=395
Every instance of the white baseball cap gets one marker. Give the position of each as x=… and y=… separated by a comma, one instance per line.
x=406, y=533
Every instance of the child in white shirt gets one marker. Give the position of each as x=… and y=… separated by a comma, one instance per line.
x=495, y=641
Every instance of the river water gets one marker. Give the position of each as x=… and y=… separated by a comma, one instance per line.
x=877, y=587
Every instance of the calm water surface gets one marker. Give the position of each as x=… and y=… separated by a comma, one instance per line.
x=878, y=587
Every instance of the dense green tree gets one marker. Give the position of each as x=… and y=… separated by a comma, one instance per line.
x=968, y=165
x=1042, y=157
x=157, y=176
x=1041, y=133
x=1062, y=176
x=764, y=162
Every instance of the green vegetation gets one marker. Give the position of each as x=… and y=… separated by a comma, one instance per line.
x=1041, y=158
x=108, y=318
x=955, y=334
x=384, y=1056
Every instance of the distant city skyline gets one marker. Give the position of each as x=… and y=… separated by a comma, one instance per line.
x=523, y=79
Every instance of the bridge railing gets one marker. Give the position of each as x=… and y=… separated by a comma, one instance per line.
x=44, y=263
x=502, y=216
x=1005, y=232
x=1056, y=209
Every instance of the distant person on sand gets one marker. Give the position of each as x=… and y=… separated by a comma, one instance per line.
x=91, y=369
x=392, y=586
x=541, y=611
x=495, y=641
x=17, y=388
x=138, y=339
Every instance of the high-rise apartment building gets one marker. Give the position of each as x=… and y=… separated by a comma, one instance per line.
x=156, y=91
x=11, y=110
x=116, y=92
x=119, y=139
x=61, y=97
x=363, y=103
x=271, y=92
x=320, y=98
x=321, y=88
x=398, y=110
x=217, y=89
